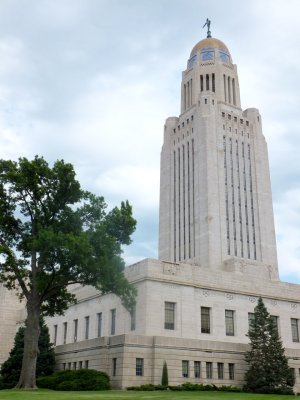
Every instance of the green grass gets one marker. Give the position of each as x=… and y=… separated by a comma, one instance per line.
x=123, y=395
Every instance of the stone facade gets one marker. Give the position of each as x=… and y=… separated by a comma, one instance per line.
x=189, y=288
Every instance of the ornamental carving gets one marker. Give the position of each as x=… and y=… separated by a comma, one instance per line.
x=205, y=292
x=294, y=306
x=170, y=269
x=229, y=296
x=252, y=299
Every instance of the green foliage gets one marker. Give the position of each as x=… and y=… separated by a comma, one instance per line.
x=82, y=379
x=187, y=387
x=164, y=377
x=11, y=368
x=268, y=370
x=54, y=234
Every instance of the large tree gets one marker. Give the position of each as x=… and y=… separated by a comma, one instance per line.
x=11, y=368
x=268, y=368
x=54, y=234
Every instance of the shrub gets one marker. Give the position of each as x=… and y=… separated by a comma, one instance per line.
x=82, y=379
x=188, y=386
x=229, y=388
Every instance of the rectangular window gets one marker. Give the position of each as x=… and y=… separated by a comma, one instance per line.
x=139, y=366
x=293, y=372
x=201, y=83
x=132, y=319
x=86, y=364
x=74, y=365
x=64, y=366
x=69, y=365
x=113, y=322
x=209, y=370
x=169, y=315
x=229, y=322
x=205, y=320
x=213, y=83
x=87, y=327
x=220, y=370
x=231, y=371
x=80, y=365
x=114, y=367
x=55, y=335
x=185, y=368
x=274, y=319
x=197, y=369
x=75, y=329
x=99, y=324
x=295, y=330
x=65, y=332
x=250, y=318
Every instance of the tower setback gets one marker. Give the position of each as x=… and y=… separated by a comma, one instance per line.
x=215, y=194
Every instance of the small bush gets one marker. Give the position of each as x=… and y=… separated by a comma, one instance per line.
x=187, y=386
x=229, y=388
x=82, y=379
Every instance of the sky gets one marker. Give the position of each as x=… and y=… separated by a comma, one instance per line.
x=92, y=82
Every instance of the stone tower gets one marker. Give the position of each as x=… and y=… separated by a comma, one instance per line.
x=215, y=192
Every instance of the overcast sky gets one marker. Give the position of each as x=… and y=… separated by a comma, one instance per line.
x=92, y=82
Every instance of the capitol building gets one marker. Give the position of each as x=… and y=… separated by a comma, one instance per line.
x=217, y=252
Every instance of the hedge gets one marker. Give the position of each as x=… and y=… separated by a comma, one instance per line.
x=82, y=379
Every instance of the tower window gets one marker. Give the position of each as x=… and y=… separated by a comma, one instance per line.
x=295, y=330
x=169, y=315
x=229, y=322
x=207, y=82
x=201, y=83
x=205, y=101
x=205, y=320
x=213, y=83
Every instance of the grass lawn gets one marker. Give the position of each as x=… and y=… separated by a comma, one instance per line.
x=123, y=395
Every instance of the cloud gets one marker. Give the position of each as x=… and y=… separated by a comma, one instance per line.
x=92, y=82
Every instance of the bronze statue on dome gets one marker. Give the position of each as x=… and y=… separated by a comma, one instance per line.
x=207, y=23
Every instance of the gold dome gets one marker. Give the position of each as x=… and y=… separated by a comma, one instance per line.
x=210, y=43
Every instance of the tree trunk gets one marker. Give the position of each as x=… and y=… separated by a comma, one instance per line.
x=27, y=378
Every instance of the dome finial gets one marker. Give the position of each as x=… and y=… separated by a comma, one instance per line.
x=208, y=27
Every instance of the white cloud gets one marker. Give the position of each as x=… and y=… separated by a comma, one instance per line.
x=93, y=82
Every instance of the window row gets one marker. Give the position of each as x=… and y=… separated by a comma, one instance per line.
x=182, y=124
x=235, y=119
x=229, y=319
x=76, y=365
x=85, y=327
x=186, y=373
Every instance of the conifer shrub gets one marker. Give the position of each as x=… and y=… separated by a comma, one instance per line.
x=165, y=377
